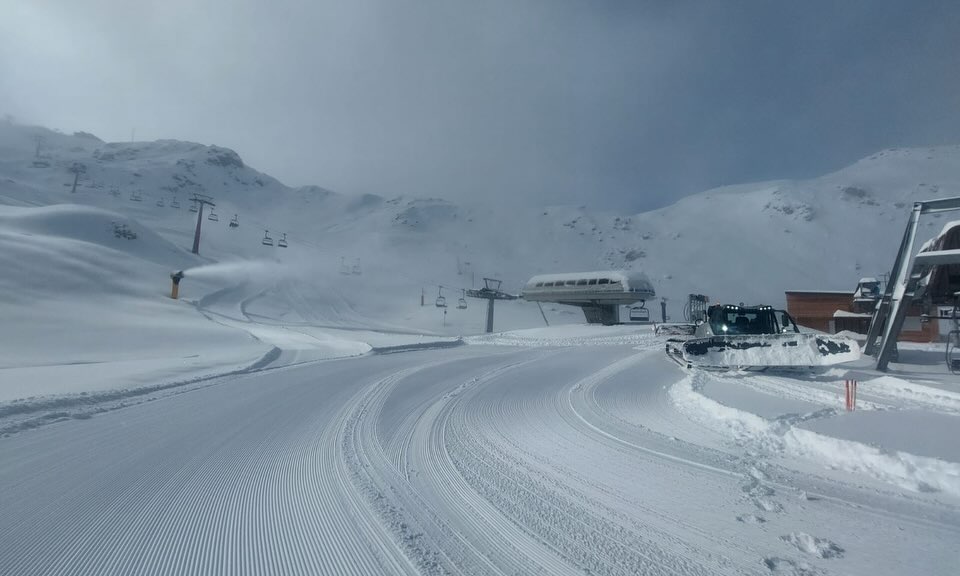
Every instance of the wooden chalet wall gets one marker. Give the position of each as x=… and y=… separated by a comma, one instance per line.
x=815, y=309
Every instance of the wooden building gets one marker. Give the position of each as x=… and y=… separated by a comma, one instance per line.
x=858, y=322
x=834, y=311
x=815, y=308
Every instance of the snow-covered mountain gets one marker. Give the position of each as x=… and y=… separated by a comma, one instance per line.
x=153, y=408
x=737, y=243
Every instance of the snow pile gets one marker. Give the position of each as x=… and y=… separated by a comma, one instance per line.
x=782, y=436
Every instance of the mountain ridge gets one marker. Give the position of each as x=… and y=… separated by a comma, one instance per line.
x=743, y=242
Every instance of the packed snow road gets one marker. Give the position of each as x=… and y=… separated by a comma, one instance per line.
x=475, y=460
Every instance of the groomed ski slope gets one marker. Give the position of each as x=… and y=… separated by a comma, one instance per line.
x=258, y=425
x=481, y=459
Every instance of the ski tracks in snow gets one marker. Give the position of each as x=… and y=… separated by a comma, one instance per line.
x=474, y=460
x=460, y=501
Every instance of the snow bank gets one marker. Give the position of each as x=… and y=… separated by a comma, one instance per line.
x=899, y=388
x=908, y=471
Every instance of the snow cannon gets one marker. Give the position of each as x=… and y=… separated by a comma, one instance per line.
x=175, y=289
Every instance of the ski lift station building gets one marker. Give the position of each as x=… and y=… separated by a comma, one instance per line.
x=599, y=294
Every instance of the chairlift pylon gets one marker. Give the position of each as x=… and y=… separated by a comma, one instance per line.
x=267, y=240
x=234, y=223
x=282, y=242
x=441, y=301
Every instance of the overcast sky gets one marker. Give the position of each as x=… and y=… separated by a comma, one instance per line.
x=619, y=104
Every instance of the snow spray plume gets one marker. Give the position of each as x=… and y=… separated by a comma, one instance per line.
x=235, y=270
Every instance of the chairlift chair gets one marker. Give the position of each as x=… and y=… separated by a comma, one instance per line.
x=160, y=203
x=344, y=269
x=212, y=216
x=175, y=204
x=639, y=314
x=356, y=268
x=234, y=223
x=193, y=207
x=267, y=240
x=462, y=302
x=441, y=301
x=282, y=242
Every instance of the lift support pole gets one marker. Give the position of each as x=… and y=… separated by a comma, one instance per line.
x=200, y=200
x=491, y=293
x=905, y=285
x=545, y=321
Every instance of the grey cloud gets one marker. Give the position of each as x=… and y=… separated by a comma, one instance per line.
x=624, y=104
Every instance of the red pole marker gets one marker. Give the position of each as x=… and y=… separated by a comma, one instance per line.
x=851, y=390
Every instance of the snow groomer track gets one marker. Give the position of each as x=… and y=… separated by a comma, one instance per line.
x=473, y=460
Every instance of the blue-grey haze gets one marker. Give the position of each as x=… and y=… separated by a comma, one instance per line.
x=619, y=104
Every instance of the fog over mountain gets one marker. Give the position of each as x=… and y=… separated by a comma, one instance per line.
x=618, y=104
